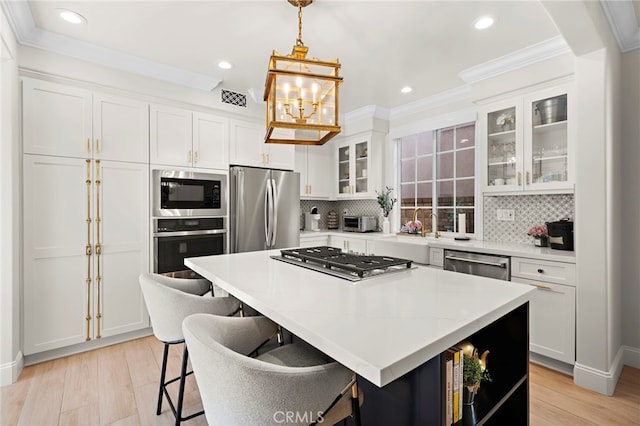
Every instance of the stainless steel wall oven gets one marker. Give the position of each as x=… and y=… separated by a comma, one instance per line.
x=178, y=238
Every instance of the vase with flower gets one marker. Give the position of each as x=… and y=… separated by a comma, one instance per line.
x=540, y=235
x=386, y=202
x=505, y=121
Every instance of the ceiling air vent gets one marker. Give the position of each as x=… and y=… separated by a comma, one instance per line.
x=233, y=98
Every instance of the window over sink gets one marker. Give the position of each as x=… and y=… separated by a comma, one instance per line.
x=437, y=173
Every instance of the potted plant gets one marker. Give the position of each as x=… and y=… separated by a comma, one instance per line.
x=540, y=235
x=386, y=203
x=474, y=371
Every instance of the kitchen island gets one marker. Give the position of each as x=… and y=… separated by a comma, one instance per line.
x=391, y=329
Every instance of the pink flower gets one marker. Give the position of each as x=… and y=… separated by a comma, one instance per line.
x=413, y=226
x=538, y=231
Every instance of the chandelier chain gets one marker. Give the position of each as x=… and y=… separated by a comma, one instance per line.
x=299, y=40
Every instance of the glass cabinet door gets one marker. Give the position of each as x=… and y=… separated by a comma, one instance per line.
x=549, y=142
x=361, y=167
x=344, y=171
x=502, y=149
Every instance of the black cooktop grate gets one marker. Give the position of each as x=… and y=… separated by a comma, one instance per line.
x=331, y=257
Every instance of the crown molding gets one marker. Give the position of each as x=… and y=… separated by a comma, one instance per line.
x=439, y=99
x=623, y=23
x=538, y=52
x=27, y=34
x=366, y=112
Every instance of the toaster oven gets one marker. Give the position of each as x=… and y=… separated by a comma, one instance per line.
x=359, y=223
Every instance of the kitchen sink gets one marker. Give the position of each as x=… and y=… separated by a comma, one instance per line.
x=413, y=248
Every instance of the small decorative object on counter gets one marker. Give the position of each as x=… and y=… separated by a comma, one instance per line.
x=386, y=203
x=332, y=220
x=412, y=227
x=540, y=235
x=474, y=371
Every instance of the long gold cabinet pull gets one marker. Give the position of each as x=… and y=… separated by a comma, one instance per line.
x=97, y=145
x=88, y=146
x=196, y=157
x=98, y=253
x=189, y=157
x=528, y=178
x=309, y=189
x=519, y=178
x=88, y=252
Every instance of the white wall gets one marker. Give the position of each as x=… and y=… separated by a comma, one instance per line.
x=10, y=354
x=630, y=112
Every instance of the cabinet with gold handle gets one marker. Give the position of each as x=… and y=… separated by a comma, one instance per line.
x=88, y=254
x=196, y=157
x=98, y=253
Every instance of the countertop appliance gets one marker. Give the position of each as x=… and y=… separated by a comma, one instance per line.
x=359, y=223
x=560, y=234
x=349, y=266
x=263, y=209
x=180, y=193
x=485, y=265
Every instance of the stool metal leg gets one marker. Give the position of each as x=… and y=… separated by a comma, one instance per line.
x=355, y=403
x=183, y=376
x=163, y=373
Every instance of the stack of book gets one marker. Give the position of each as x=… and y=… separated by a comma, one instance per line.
x=453, y=368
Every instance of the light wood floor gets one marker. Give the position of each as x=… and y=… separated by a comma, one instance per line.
x=118, y=385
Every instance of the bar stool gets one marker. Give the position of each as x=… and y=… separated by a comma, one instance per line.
x=169, y=301
x=292, y=384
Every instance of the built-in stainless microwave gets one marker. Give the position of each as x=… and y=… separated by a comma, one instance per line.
x=182, y=193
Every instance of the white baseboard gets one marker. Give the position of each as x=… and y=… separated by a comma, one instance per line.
x=551, y=363
x=603, y=382
x=10, y=371
x=83, y=347
x=631, y=357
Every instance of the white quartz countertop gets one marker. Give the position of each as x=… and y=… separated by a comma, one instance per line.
x=382, y=327
x=490, y=247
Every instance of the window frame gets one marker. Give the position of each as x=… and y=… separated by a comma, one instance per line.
x=436, y=130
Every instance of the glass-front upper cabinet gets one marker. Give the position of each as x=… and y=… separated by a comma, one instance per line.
x=547, y=142
x=504, y=148
x=359, y=166
x=528, y=143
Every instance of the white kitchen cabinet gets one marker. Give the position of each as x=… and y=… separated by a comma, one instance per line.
x=436, y=256
x=83, y=257
x=552, y=315
x=314, y=240
x=171, y=136
x=349, y=244
x=180, y=137
x=247, y=148
x=67, y=121
x=358, y=171
x=528, y=143
x=210, y=141
x=314, y=165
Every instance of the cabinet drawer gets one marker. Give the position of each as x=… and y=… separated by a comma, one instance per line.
x=543, y=270
x=436, y=256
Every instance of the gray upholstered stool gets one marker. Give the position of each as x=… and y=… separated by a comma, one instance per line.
x=169, y=301
x=293, y=384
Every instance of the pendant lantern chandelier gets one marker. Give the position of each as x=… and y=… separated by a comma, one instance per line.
x=301, y=95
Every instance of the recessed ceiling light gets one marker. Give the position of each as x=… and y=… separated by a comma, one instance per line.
x=225, y=65
x=71, y=16
x=406, y=89
x=484, y=22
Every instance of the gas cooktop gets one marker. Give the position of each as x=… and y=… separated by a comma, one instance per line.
x=349, y=266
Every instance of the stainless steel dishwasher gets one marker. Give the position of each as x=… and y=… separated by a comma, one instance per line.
x=485, y=265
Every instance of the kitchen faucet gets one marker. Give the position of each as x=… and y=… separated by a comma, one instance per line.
x=423, y=230
x=435, y=232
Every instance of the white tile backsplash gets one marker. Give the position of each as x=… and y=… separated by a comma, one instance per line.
x=529, y=210
x=353, y=207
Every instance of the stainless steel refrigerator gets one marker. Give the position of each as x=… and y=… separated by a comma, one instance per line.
x=264, y=209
